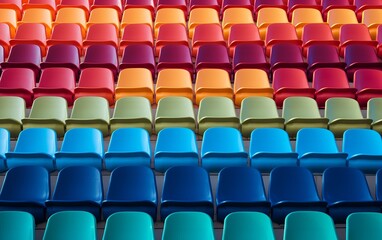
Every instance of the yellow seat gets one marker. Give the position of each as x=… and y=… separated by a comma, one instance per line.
x=38, y=15
x=372, y=18
x=233, y=16
x=338, y=17
x=174, y=82
x=9, y=16
x=135, y=82
x=72, y=15
x=201, y=16
x=250, y=83
x=270, y=15
x=168, y=15
x=104, y=15
x=212, y=83
x=303, y=16
x=136, y=16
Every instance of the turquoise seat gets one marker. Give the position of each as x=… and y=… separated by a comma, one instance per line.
x=364, y=225
x=16, y=225
x=5, y=144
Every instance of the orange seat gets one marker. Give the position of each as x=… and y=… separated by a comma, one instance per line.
x=243, y=33
x=104, y=15
x=72, y=15
x=168, y=15
x=372, y=18
x=114, y=4
x=45, y=4
x=5, y=36
x=136, y=34
x=317, y=33
x=339, y=17
x=201, y=16
x=136, y=16
x=270, y=15
x=207, y=33
x=354, y=34
x=66, y=33
x=174, y=82
x=279, y=33
x=38, y=15
x=9, y=16
x=101, y=34
x=172, y=33
x=31, y=33
x=232, y=16
x=303, y=16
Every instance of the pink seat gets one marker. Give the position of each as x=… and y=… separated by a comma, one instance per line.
x=101, y=34
x=171, y=34
x=317, y=33
x=243, y=33
x=280, y=33
x=5, y=36
x=56, y=82
x=66, y=33
x=354, y=34
x=207, y=34
x=368, y=83
x=31, y=33
x=136, y=34
x=286, y=55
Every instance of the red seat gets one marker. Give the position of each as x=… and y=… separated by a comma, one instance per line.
x=354, y=34
x=317, y=33
x=82, y=4
x=101, y=34
x=66, y=33
x=179, y=4
x=148, y=4
x=136, y=34
x=31, y=33
x=171, y=34
x=368, y=83
x=280, y=33
x=207, y=34
x=115, y=4
x=243, y=33
x=5, y=36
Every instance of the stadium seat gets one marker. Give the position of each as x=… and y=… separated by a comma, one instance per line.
x=66, y=33
x=361, y=224
x=333, y=4
x=280, y=33
x=372, y=19
x=243, y=33
x=31, y=33
x=133, y=16
x=354, y=34
x=207, y=4
x=101, y=56
x=148, y=4
x=72, y=15
x=175, y=56
x=109, y=4
x=173, y=82
x=286, y=55
x=362, y=5
x=207, y=34
x=174, y=4
x=15, y=5
x=138, y=56
x=212, y=56
x=62, y=56
x=11, y=114
x=259, y=4
x=135, y=82
x=375, y=114
x=303, y=16
x=167, y=16
x=368, y=84
x=294, y=5
x=42, y=4
x=249, y=55
x=104, y=15
x=317, y=33
x=201, y=16
x=236, y=15
x=136, y=34
x=9, y=17
x=171, y=34
x=269, y=15
x=227, y=4
x=101, y=34
x=38, y=15
x=337, y=17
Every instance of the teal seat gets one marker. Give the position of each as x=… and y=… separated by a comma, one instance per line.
x=247, y=226
x=73, y=225
x=129, y=225
x=188, y=226
x=302, y=225
x=364, y=225
x=16, y=225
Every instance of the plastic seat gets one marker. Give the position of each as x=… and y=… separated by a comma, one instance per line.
x=71, y=225
x=301, y=195
x=237, y=15
x=100, y=34
x=372, y=19
x=315, y=225
x=379, y=39
x=136, y=34
x=175, y=147
x=166, y=16
x=243, y=33
x=175, y=56
x=113, y=4
x=38, y=15
x=280, y=33
x=138, y=56
x=56, y=82
x=368, y=85
x=49, y=112
x=174, y=112
x=189, y=225
x=200, y=16
x=42, y=4
x=323, y=56
x=374, y=113
x=129, y=225
x=290, y=83
x=186, y=188
x=104, y=15
x=73, y=15
x=331, y=82
x=301, y=112
x=29, y=152
x=15, y=5
x=63, y=56
x=227, y=4
x=174, y=82
x=174, y=4
x=17, y=225
x=269, y=15
x=336, y=18
x=9, y=17
x=212, y=56
x=133, y=16
x=216, y=112
x=90, y=112
x=354, y=34
x=148, y=4
x=362, y=224
x=219, y=87
x=317, y=33
x=343, y=200
x=343, y=114
x=18, y=82
x=33, y=189
x=294, y=5
x=132, y=112
x=101, y=56
x=249, y=55
x=213, y=4
x=304, y=16
x=5, y=36
x=333, y=4
x=133, y=189
x=207, y=34
x=5, y=146
x=79, y=4
x=12, y=111
x=222, y=147
x=286, y=55
x=30, y=33
x=362, y=5
x=240, y=189
x=171, y=34
x=259, y=4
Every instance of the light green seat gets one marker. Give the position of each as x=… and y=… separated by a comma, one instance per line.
x=303, y=225
x=90, y=112
x=188, y=226
x=16, y=225
x=11, y=113
x=132, y=112
x=217, y=112
x=364, y=225
x=48, y=112
x=259, y=112
x=374, y=112
x=247, y=226
x=343, y=114
x=73, y=225
x=301, y=112
x=175, y=112
x=129, y=225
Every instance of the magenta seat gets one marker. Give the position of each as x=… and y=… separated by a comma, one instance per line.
x=333, y=4
x=62, y=55
x=175, y=56
x=243, y=33
x=207, y=34
x=368, y=83
x=104, y=56
x=214, y=4
x=66, y=33
x=136, y=34
x=286, y=55
x=280, y=33
x=171, y=34
x=317, y=33
x=247, y=55
x=212, y=56
x=354, y=34
x=138, y=56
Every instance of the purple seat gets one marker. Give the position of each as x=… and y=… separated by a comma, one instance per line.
x=359, y=56
x=24, y=56
x=138, y=56
x=249, y=55
x=62, y=55
x=212, y=56
x=175, y=56
x=204, y=4
x=104, y=56
x=323, y=56
x=286, y=55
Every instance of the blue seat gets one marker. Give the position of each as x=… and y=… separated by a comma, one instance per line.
x=127, y=147
x=35, y=146
x=131, y=188
x=270, y=148
x=346, y=191
x=378, y=185
x=222, y=147
x=5, y=144
x=17, y=225
x=363, y=225
x=364, y=149
x=26, y=188
x=317, y=150
x=293, y=189
x=186, y=188
x=77, y=188
x=81, y=146
x=175, y=147
x=240, y=189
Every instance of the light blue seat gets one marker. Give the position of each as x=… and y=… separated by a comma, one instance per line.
x=35, y=146
x=270, y=148
x=175, y=147
x=16, y=225
x=128, y=147
x=222, y=147
x=129, y=225
x=364, y=225
x=74, y=225
x=81, y=146
x=5, y=144
x=317, y=150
